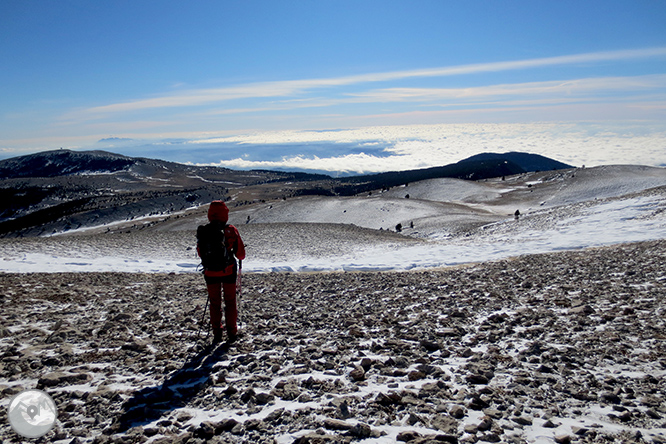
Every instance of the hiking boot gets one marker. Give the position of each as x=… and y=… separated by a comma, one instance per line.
x=217, y=335
x=231, y=338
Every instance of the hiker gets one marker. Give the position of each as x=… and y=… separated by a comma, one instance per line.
x=221, y=268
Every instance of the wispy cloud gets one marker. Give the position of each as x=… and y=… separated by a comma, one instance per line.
x=586, y=90
x=563, y=88
x=295, y=88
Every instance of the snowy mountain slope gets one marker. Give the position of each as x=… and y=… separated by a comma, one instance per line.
x=520, y=347
x=375, y=213
x=498, y=196
x=63, y=190
x=319, y=233
x=584, y=184
x=449, y=207
x=56, y=191
x=448, y=190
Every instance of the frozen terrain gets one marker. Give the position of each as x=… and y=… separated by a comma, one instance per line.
x=562, y=347
x=454, y=222
x=472, y=326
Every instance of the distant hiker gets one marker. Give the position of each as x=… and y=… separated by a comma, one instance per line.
x=219, y=245
x=398, y=228
x=516, y=215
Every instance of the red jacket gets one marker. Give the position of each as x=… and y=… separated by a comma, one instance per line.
x=235, y=245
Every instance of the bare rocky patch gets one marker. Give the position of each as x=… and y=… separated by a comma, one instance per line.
x=568, y=346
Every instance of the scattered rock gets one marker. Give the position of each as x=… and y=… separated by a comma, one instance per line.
x=562, y=439
x=332, y=354
x=477, y=379
x=336, y=424
x=444, y=424
x=358, y=374
x=407, y=436
x=522, y=420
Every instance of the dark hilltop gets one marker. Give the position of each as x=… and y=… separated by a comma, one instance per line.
x=61, y=189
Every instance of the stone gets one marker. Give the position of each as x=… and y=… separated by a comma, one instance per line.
x=253, y=424
x=361, y=431
x=337, y=424
x=444, y=424
x=416, y=375
x=367, y=363
x=275, y=415
x=457, y=411
x=471, y=429
x=490, y=437
x=407, y=436
x=205, y=430
x=224, y=425
x=650, y=401
x=387, y=399
x=485, y=424
x=522, y=420
x=299, y=323
x=580, y=431
x=562, y=439
x=582, y=310
x=357, y=374
x=477, y=379
x=430, y=346
x=493, y=413
x=248, y=395
x=316, y=438
x=264, y=398
x=609, y=398
x=653, y=414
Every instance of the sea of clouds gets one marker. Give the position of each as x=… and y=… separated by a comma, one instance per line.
x=394, y=148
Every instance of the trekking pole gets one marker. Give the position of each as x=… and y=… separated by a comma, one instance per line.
x=202, y=321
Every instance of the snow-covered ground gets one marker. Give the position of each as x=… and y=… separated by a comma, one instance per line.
x=454, y=222
x=564, y=336
x=564, y=347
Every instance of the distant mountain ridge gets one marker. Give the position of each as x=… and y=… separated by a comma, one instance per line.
x=65, y=162
x=62, y=162
x=61, y=189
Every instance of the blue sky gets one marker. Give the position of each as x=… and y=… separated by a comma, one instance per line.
x=167, y=74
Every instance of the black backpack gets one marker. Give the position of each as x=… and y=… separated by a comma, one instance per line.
x=212, y=243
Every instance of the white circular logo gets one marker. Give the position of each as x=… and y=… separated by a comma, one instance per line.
x=32, y=413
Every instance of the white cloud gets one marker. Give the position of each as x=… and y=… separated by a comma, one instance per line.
x=560, y=90
x=292, y=88
x=352, y=163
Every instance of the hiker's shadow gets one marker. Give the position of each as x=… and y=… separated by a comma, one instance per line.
x=180, y=387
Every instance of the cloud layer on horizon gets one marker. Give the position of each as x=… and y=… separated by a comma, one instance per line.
x=394, y=148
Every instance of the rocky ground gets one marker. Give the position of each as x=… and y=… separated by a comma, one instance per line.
x=563, y=347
